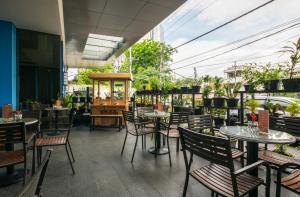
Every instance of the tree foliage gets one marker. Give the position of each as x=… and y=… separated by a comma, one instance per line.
x=147, y=57
x=83, y=76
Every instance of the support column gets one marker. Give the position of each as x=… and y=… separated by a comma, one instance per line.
x=8, y=65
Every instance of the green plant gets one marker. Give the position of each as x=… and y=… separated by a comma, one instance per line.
x=282, y=149
x=252, y=104
x=67, y=100
x=251, y=75
x=206, y=91
x=178, y=102
x=218, y=90
x=293, y=108
x=232, y=89
x=294, y=52
x=269, y=72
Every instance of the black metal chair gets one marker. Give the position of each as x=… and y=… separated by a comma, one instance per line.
x=133, y=127
x=203, y=124
x=171, y=129
x=290, y=182
x=34, y=186
x=220, y=175
x=10, y=135
x=59, y=140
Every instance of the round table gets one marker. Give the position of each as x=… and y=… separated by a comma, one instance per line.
x=253, y=137
x=157, y=116
x=56, y=110
x=12, y=176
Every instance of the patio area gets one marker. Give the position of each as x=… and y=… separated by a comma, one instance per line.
x=102, y=171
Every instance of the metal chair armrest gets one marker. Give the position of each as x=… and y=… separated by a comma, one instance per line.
x=251, y=167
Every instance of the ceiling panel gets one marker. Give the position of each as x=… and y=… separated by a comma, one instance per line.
x=113, y=22
x=36, y=15
x=130, y=19
x=81, y=16
x=127, y=8
x=153, y=12
x=89, y=5
x=168, y=3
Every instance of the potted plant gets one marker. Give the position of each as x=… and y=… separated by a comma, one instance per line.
x=292, y=83
x=218, y=117
x=218, y=99
x=206, y=100
x=250, y=75
x=196, y=85
x=184, y=89
x=293, y=108
x=273, y=108
x=252, y=104
x=231, y=93
x=270, y=76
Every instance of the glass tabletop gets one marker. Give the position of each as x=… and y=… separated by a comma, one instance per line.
x=156, y=114
x=254, y=135
x=27, y=121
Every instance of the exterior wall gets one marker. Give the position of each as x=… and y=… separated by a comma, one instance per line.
x=8, y=76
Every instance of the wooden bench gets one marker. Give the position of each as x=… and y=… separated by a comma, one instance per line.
x=119, y=117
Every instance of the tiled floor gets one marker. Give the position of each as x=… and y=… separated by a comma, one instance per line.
x=102, y=171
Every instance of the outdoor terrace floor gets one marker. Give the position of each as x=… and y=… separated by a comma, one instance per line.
x=102, y=171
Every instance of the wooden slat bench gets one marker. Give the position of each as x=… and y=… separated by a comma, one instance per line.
x=119, y=117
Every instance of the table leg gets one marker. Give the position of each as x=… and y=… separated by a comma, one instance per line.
x=158, y=149
x=252, y=157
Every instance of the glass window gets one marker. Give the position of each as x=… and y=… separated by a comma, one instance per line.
x=119, y=90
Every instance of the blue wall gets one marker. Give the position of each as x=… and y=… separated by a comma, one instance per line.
x=8, y=68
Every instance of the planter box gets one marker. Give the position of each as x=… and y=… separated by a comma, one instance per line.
x=232, y=102
x=219, y=102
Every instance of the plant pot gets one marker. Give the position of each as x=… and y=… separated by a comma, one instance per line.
x=219, y=102
x=271, y=85
x=174, y=91
x=184, y=90
x=248, y=88
x=291, y=84
x=219, y=121
x=196, y=89
x=190, y=90
x=232, y=102
x=207, y=102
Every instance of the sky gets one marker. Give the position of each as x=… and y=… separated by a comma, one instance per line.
x=196, y=17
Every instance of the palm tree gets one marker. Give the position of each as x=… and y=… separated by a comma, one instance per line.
x=294, y=52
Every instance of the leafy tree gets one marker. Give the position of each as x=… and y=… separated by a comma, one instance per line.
x=147, y=56
x=83, y=76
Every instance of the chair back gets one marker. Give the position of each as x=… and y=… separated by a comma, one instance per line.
x=12, y=133
x=129, y=121
x=177, y=118
x=34, y=185
x=212, y=148
x=199, y=123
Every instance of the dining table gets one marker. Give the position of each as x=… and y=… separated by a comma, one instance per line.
x=13, y=175
x=253, y=136
x=157, y=116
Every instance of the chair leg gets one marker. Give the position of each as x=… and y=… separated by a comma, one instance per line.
x=71, y=151
x=278, y=185
x=33, y=161
x=177, y=145
x=124, y=143
x=164, y=140
x=70, y=159
x=145, y=142
x=136, y=141
x=169, y=152
x=186, y=183
x=142, y=142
